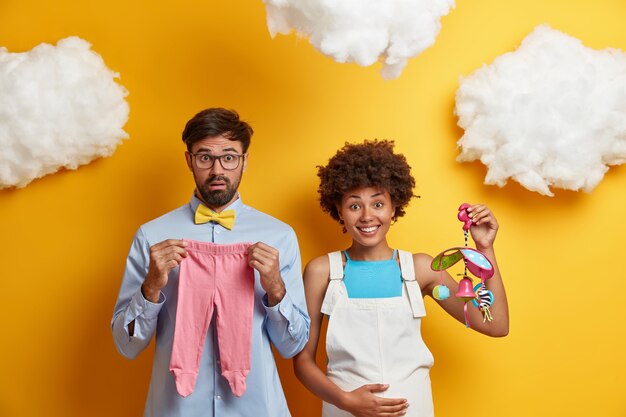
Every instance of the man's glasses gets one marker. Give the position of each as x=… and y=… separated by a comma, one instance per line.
x=229, y=161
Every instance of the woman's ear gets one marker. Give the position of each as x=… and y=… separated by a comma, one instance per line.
x=338, y=208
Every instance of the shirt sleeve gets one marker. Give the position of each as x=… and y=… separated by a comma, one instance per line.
x=287, y=322
x=131, y=304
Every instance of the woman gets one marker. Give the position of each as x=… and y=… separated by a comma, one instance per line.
x=378, y=364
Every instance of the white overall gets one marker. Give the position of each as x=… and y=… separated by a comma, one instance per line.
x=378, y=341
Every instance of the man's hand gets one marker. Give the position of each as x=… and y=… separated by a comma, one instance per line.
x=164, y=257
x=265, y=259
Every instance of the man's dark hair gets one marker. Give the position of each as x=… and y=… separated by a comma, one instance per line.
x=215, y=122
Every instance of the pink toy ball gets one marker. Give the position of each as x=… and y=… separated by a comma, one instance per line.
x=463, y=216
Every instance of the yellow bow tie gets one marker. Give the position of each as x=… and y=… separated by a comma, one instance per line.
x=205, y=215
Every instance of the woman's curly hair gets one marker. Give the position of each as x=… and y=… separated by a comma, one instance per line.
x=367, y=164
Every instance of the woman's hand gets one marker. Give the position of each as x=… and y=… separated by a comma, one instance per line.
x=484, y=226
x=362, y=402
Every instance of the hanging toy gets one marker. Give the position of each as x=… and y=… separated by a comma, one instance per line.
x=467, y=294
x=483, y=301
x=441, y=291
x=474, y=262
x=465, y=218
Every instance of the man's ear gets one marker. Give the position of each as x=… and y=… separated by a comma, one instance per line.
x=188, y=159
x=245, y=161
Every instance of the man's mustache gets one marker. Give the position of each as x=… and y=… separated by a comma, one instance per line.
x=217, y=178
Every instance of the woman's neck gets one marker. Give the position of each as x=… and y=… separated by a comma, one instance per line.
x=380, y=252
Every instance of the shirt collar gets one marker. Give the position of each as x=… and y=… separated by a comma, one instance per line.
x=236, y=205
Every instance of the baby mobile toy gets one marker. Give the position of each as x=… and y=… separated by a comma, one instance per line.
x=476, y=263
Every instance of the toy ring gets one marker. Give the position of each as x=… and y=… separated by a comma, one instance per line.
x=489, y=295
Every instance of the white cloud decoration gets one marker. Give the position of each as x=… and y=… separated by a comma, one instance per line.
x=362, y=31
x=550, y=114
x=59, y=107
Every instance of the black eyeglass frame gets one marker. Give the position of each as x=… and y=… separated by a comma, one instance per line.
x=213, y=158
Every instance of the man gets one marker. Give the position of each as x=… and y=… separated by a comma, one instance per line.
x=217, y=145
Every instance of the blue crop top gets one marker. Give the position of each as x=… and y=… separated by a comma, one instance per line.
x=372, y=279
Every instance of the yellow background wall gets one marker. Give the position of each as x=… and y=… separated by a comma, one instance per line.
x=64, y=238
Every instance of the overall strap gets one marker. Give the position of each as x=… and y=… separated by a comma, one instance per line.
x=336, y=265
x=335, y=287
x=412, y=286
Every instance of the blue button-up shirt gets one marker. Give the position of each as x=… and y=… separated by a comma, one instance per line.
x=285, y=325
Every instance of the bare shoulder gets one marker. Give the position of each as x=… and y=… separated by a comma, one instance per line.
x=423, y=272
x=316, y=279
x=317, y=268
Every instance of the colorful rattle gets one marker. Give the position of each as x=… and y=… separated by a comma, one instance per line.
x=476, y=263
x=485, y=299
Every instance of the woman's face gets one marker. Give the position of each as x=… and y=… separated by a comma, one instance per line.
x=367, y=213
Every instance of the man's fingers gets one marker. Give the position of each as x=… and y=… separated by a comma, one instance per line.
x=259, y=265
x=256, y=265
x=261, y=247
x=167, y=252
x=171, y=264
x=176, y=257
x=262, y=259
x=169, y=242
x=167, y=259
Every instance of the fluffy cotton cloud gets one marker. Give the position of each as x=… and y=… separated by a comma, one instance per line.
x=59, y=107
x=550, y=114
x=362, y=31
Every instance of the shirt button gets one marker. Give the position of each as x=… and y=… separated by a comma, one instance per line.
x=218, y=397
x=291, y=328
x=217, y=232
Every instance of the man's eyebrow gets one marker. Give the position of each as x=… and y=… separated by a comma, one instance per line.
x=203, y=149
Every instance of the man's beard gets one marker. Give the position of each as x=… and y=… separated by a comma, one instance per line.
x=218, y=198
